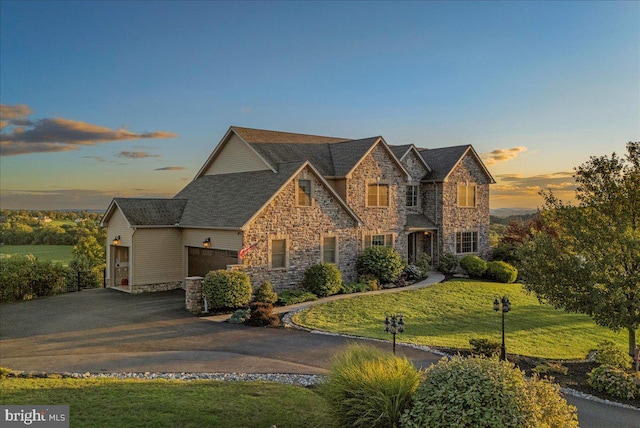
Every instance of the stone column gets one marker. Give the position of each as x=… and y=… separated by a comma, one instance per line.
x=194, y=300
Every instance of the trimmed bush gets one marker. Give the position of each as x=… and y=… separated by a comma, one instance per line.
x=323, y=279
x=227, y=289
x=609, y=354
x=240, y=316
x=353, y=287
x=502, y=272
x=486, y=347
x=613, y=381
x=550, y=368
x=474, y=266
x=423, y=262
x=262, y=315
x=448, y=263
x=384, y=263
x=482, y=392
x=369, y=388
x=265, y=293
x=371, y=282
x=291, y=297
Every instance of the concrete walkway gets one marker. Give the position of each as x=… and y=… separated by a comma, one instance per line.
x=433, y=278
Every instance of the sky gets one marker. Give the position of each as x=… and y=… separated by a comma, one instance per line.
x=128, y=99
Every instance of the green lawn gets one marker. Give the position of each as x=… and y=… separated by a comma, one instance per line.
x=450, y=313
x=163, y=403
x=54, y=253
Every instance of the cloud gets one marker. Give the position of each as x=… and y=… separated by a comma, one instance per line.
x=524, y=190
x=136, y=155
x=57, y=134
x=502, y=155
x=96, y=158
x=171, y=168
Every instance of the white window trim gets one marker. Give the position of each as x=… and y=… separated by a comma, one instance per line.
x=378, y=182
x=416, y=186
x=337, y=252
x=477, y=242
x=286, y=252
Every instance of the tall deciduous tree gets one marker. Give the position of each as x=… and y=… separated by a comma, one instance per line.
x=587, y=259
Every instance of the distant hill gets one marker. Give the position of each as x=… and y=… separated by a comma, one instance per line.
x=509, y=212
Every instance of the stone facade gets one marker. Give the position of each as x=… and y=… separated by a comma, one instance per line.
x=303, y=228
x=459, y=219
x=417, y=171
x=379, y=166
x=194, y=299
x=150, y=288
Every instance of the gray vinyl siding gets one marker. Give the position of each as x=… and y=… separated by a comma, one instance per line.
x=157, y=256
x=235, y=156
x=117, y=225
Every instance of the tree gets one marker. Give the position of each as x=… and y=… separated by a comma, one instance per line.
x=89, y=254
x=587, y=259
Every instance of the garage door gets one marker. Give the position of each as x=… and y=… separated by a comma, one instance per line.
x=203, y=260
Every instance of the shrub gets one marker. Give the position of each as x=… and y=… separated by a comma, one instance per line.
x=502, y=272
x=323, y=279
x=371, y=282
x=448, y=263
x=291, y=297
x=609, y=354
x=369, y=388
x=239, y=316
x=423, y=262
x=613, y=381
x=26, y=277
x=265, y=293
x=227, y=289
x=486, y=347
x=474, y=266
x=353, y=287
x=4, y=372
x=385, y=263
x=262, y=315
x=482, y=392
x=550, y=368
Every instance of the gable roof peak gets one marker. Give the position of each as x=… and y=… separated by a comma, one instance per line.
x=265, y=136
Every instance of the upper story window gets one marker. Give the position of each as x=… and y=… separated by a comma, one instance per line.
x=412, y=195
x=304, y=193
x=329, y=249
x=385, y=240
x=466, y=242
x=467, y=195
x=377, y=195
x=278, y=253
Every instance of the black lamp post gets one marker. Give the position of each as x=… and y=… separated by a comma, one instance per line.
x=505, y=305
x=394, y=326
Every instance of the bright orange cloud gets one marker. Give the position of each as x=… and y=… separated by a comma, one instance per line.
x=502, y=155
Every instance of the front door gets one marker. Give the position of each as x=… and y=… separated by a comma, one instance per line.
x=120, y=266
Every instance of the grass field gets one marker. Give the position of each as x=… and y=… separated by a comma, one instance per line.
x=450, y=313
x=161, y=403
x=54, y=253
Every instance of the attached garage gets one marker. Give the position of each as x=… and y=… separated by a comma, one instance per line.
x=203, y=260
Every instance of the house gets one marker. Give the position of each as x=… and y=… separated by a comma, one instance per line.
x=274, y=203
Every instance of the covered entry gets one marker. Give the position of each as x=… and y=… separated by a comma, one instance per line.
x=120, y=266
x=202, y=260
x=422, y=237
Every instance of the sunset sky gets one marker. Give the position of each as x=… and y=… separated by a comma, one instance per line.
x=105, y=99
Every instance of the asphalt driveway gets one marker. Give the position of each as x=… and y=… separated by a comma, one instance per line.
x=105, y=330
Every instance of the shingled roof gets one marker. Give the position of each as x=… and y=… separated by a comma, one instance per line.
x=150, y=211
x=442, y=160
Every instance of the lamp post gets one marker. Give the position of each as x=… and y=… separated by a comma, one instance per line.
x=394, y=326
x=505, y=305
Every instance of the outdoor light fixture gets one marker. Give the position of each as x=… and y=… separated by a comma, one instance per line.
x=116, y=240
x=394, y=325
x=505, y=305
x=207, y=242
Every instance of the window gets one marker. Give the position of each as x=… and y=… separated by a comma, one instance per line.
x=467, y=195
x=278, y=253
x=329, y=249
x=466, y=242
x=304, y=193
x=412, y=195
x=377, y=195
x=378, y=240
